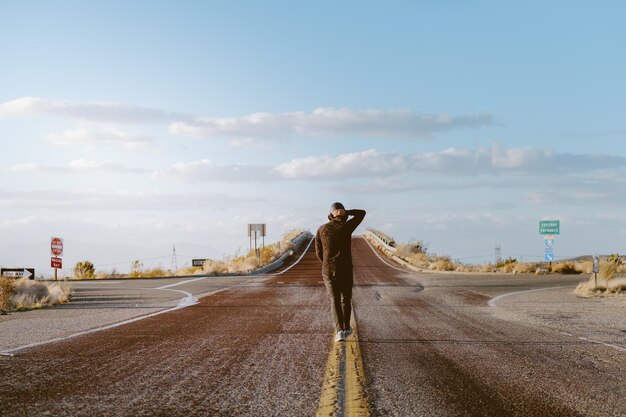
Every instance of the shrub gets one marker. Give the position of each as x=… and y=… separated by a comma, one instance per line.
x=615, y=259
x=565, y=268
x=505, y=262
x=412, y=248
x=442, y=263
x=591, y=289
x=7, y=289
x=84, y=269
x=417, y=259
x=30, y=294
x=608, y=270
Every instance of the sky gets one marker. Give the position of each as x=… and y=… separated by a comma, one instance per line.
x=128, y=128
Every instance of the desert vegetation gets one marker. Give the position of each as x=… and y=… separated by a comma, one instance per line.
x=610, y=280
x=84, y=269
x=415, y=253
x=249, y=261
x=25, y=294
x=236, y=264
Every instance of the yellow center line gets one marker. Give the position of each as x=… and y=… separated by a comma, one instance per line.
x=343, y=389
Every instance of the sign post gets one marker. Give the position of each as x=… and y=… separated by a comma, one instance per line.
x=56, y=253
x=256, y=230
x=596, y=268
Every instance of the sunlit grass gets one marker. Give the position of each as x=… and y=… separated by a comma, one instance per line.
x=25, y=294
x=602, y=288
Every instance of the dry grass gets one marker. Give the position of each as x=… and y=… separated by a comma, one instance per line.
x=603, y=288
x=28, y=294
x=565, y=268
x=149, y=273
x=608, y=270
x=7, y=289
x=243, y=264
x=415, y=254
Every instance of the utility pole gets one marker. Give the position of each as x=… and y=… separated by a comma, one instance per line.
x=174, y=264
x=498, y=253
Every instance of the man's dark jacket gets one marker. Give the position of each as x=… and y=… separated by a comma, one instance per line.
x=333, y=244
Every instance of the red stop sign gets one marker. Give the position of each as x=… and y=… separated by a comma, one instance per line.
x=56, y=246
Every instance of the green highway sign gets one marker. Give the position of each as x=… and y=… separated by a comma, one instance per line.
x=550, y=227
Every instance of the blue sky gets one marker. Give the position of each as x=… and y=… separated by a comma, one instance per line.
x=128, y=128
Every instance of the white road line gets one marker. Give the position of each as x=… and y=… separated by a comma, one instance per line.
x=187, y=301
x=384, y=261
x=298, y=261
x=184, y=302
x=597, y=342
x=493, y=301
x=176, y=284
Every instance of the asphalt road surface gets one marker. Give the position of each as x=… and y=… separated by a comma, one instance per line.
x=425, y=345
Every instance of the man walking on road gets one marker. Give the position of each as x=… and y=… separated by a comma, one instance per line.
x=333, y=246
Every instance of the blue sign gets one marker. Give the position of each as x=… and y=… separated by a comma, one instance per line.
x=549, y=243
x=549, y=255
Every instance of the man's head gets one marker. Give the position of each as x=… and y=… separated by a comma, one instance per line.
x=337, y=210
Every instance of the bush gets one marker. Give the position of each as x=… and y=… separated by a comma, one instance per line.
x=591, y=289
x=84, y=269
x=608, y=270
x=7, y=289
x=442, y=263
x=28, y=294
x=412, y=248
x=565, y=268
x=505, y=262
x=615, y=259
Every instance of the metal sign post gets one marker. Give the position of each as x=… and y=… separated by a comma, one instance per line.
x=56, y=253
x=257, y=230
x=596, y=268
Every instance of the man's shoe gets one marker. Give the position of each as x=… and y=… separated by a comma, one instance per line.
x=340, y=336
x=348, y=331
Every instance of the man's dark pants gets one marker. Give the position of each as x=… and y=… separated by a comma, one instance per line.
x=339, y=290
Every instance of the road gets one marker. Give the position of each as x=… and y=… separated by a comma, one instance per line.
x=425, y=345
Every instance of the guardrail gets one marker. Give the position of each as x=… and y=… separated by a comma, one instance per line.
x=389, y=241
x=297, y=242
x=381, y=241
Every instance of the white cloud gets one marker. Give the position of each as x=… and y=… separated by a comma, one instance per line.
x=372, y=164
x=328, y=121
x=76, y=166
x=101, y=112
x=449, y=162
x=206, y=170
x=120, y=200
x=108, y=136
